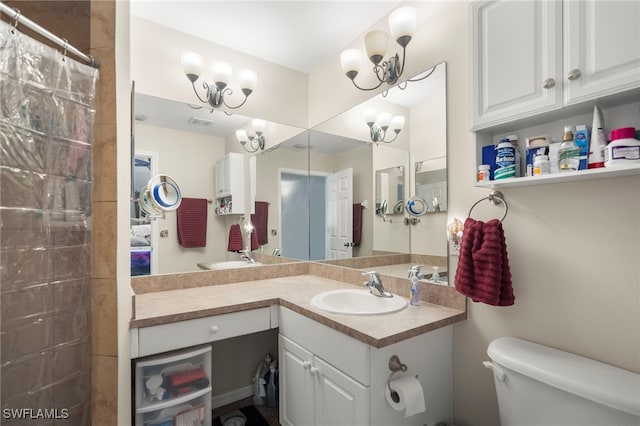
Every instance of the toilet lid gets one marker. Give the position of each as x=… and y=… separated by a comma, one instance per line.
x=590, y=379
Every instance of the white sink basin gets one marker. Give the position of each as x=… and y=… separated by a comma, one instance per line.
x=357, y=302
x=227, y=265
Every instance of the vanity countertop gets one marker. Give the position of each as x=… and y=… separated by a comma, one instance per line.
x=294, y=292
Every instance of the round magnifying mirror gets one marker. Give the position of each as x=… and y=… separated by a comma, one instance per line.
x=416, y=206
x=165, y=193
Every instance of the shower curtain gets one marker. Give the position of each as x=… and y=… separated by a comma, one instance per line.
x=46, y=118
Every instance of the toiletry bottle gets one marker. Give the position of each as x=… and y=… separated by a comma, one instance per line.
x=505, y=160
x=435, y=275
x=415, y=275
x=581, y=139
x=514, y=141
x=598, y=140
x=568, y=152
x=623, y=148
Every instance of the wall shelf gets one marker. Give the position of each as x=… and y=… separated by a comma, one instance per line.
x=601, y=173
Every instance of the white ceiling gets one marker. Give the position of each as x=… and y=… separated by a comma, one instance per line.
x=297, y=34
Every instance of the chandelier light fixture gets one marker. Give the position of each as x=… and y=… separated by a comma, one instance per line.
x=254, y=140
x=402, y=24
x=192, y=66
x=380, y=123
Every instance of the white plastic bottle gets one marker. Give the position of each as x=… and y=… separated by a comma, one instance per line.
x=505, y=160
x=623, y=148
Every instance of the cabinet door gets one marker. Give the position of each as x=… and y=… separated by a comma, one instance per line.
x=601, y=48
x=339, y=399
x=296, y=384
x=515, y=60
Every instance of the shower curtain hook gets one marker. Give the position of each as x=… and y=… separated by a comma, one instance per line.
x=16, y=19
x=64, y=47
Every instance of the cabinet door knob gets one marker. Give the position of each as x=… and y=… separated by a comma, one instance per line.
x=574, y=74
x=306, y=365
x=214, y=329
x=548, y=83
x=314, y=371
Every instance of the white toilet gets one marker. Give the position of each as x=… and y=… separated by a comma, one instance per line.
x=538, y=385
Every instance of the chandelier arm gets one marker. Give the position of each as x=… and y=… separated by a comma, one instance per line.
x=205, y=86
x=404, y=56
x=424, y=76
x=364, y=88
x=228, y=91
x=394, y=138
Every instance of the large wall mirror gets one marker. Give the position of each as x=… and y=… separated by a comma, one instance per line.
x=321, y=186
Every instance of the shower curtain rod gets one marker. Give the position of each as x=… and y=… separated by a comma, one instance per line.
x=64, y=43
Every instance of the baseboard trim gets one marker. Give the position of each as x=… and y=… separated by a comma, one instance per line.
x=231, y=396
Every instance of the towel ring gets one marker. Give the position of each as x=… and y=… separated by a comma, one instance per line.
x=494, y=198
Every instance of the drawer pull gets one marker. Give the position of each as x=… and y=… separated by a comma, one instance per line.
x=306, y=365
x=314, y=371
x=214, y=329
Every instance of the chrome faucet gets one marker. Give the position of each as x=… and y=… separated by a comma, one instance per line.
x=375, y=284
x=246, y=255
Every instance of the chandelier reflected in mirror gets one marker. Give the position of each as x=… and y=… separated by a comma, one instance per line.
x=254, y=140
x=402, y=24
x=380, y=123
x=214, y=98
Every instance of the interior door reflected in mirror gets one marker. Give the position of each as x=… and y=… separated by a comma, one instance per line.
x=390, y=191
x=431, y=184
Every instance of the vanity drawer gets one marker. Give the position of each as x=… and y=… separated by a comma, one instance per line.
x=181, y=334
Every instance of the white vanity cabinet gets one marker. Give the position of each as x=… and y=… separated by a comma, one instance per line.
x=313, y=392
x=330, y=378
x=531, y=57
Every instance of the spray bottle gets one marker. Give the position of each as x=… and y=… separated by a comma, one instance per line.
x=415, y=275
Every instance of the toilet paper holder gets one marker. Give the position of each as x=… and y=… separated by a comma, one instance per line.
x=396, y=366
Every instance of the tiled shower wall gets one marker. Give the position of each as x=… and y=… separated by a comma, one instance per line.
x=45, y=281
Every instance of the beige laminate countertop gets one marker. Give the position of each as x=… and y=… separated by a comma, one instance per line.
x=294, y=292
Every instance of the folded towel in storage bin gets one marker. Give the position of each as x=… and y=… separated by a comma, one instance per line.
x=235, y=238
x=192, y=222
x=483, y=272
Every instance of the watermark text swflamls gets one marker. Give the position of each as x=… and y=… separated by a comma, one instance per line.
x=35, y=413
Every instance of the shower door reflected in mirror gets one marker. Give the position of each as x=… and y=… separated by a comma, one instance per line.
x=143, y=247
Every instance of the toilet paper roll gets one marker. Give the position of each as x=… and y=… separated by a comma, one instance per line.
x=410, y=395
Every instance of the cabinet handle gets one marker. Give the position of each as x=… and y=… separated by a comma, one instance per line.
x=574, y=74
x=214, y=329
x=306, y=365
x=548, y=83
x=314, y=371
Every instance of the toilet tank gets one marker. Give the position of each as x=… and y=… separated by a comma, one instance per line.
x=539, y=385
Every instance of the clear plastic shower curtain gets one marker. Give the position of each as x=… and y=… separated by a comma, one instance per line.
x=46, y=119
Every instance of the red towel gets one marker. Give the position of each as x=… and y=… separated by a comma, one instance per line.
x=192, y=222
x=254, y=240
x=235, y=238
x=357, y=224
x=260, y=221
x=483, y=272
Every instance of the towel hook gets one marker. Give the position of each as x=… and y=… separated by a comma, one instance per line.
x=495, y=198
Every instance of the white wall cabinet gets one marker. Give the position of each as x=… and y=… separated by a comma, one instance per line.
x=313, y=392
x=531, y=57
x=230, y=184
